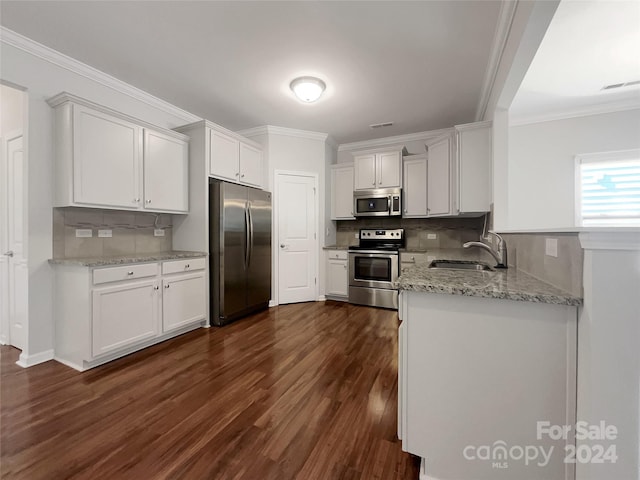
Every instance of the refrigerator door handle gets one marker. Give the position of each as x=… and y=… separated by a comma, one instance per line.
x=250, y=244
x=247, y=238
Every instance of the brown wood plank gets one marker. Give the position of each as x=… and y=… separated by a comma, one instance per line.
x=304, y=391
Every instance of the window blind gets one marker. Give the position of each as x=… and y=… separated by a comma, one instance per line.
x=610, y=192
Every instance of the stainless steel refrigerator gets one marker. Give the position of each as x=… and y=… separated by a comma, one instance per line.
x=240, y=250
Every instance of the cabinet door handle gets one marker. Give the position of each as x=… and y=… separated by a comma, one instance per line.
x=136, y=200
x=166, y=286
x=345, y=267
x=129, y=273
x=148, y=201
x=238, y=174
x=373, y=183
x=156, y=287
x=186, y=266
x=242, y=176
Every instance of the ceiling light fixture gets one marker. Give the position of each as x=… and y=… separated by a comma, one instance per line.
x=307, y=89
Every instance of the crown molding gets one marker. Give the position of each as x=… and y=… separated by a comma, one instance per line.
x=387, y=141
x=54, y=57
x=581, y=111
x=500, y=37
x=289, y=132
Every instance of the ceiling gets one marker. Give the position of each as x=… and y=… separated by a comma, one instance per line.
x=420, y=65
x=588, y=45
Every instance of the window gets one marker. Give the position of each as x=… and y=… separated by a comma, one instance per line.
x=608, y=189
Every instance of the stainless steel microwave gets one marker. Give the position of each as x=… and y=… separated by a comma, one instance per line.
x=379, y=202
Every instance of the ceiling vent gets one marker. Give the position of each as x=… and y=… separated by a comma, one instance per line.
x=380, y=125
x=620, y=85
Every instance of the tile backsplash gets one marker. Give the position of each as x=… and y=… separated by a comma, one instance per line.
x=132, y=232
x=527, y=253
x=419, y=232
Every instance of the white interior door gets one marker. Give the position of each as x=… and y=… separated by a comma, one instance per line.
x=296, y=244
x=14, y=273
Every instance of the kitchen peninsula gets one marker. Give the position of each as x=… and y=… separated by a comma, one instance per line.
x=483, y=357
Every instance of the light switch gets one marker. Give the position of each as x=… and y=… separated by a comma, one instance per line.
x=84, y=232
x=158, y=232
x=432, y=236
x=106, y=233
x=551, y=247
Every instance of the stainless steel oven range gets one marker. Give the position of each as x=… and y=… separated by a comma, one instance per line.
x=374, y=266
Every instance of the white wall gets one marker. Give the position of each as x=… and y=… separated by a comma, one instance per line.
x=541, y=176
x=43, y=79
x=295, y=151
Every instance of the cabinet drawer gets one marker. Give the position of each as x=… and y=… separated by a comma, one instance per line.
x=180, y=266
x=413, y=258
x=337, y=254
x=126, y=272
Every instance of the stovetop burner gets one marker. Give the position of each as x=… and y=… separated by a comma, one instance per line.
x=380, y=239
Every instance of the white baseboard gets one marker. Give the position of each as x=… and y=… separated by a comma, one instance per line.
x=322, y=298
x=69, y=364
x=26, y=361
x=272, y=303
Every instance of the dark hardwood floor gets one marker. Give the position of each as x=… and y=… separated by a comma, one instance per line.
x=305, y=391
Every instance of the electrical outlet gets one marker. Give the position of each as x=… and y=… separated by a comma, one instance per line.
x=107, y=233
x=158, y=232
x=432, y=236
x=84, y=232
x=551, y=247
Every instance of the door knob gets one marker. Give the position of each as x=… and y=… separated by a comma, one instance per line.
x=282, y=245
x=9, y=253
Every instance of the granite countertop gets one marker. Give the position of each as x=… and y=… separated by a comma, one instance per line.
x=335, y=247
x=509, y=284
x=125, y=259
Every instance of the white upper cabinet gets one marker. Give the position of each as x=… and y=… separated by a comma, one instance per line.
x=389, y=169
x=106, y=153
x=234, y=158
x=474, y=154
x=365, y=172
x=105, y=159
x=250, y=165
x=439, y=165
x=224, y=160
x=378, y=170
x=166, y=173
x=414, y=188
x=342, y=192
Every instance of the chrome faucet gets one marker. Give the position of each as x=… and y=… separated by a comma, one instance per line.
x=500, y=253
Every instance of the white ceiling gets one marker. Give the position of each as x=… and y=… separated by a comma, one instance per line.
x=418, y=64
x=588, y=45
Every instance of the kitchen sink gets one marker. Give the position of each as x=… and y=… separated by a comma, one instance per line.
x=461, y=265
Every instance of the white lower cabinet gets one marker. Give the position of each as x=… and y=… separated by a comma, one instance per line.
x=104, y=313
x=477, y=372
x=337, y=287
x=124, y=315
x=182, y=299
